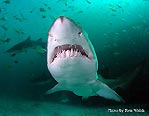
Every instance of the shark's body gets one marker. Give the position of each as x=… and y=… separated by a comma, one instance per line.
x=26, y=44
x=73, y=63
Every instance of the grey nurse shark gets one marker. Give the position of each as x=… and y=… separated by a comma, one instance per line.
x=72, y=61
x=22, y=46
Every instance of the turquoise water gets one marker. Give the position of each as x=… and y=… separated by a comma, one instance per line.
x=118, y=29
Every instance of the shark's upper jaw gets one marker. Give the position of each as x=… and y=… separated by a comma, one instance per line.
x=68, y=50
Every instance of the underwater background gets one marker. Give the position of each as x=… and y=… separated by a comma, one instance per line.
x=118, y=30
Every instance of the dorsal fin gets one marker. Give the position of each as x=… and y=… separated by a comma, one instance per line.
x=39, y=40
x=28, y=39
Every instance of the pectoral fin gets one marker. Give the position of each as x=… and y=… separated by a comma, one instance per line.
x=56, y=88
x=103, y=90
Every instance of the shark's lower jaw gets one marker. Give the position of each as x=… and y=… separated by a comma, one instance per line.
x=67, y=50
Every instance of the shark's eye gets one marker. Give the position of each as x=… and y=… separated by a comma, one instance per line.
x=51, y=36
x=80, y=32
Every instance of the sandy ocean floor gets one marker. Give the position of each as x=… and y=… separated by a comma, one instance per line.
x=14, y=106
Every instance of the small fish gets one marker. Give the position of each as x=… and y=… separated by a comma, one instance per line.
x=79, y=12
x=110, y=23
x=43, y=16
x=18, y=31
x=16, y=62
x=113, y=14
x=119, y=6
x=42, y=10
x=3, y=18
x=63, y=1
x=71, y=7
x=14, y=54
x=4, y=27
x=22, y=16
x=88, y=1
x=6, y=1
x=5, y=40
x=17, y=18
x=45, y=4
x=32, y=10
x=49, y=8
x=113, y=9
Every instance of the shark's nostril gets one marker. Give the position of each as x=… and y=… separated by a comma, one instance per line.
x=62, y=18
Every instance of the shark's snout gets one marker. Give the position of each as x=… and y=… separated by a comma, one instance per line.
x=61, y=18
x=60, y=26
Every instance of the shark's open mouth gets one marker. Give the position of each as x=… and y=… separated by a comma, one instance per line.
x=68, y=50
